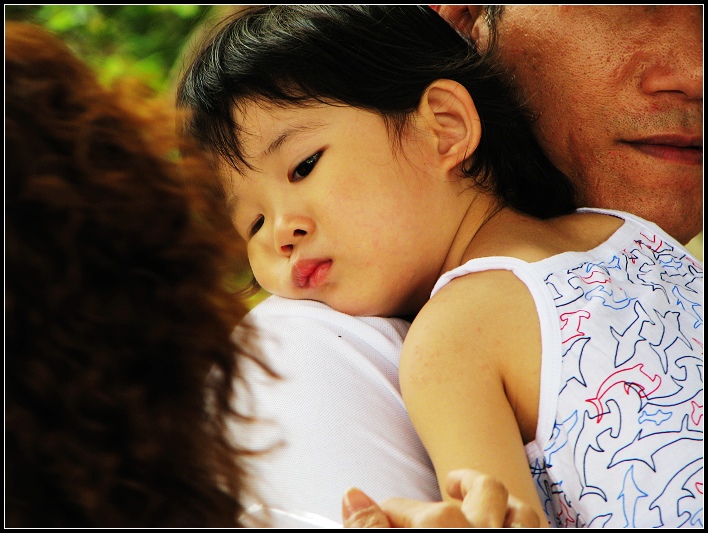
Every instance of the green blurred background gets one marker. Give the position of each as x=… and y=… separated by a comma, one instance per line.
x=120, y=40
x=148, y=42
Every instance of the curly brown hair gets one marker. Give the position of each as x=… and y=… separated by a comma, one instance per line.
x=119, y=360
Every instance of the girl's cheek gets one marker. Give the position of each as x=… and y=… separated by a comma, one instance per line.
x=260, y=268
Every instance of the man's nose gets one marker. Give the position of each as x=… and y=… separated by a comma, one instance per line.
x=684, y=77
x=676, y=64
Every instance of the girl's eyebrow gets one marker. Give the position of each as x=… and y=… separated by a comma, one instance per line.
x=289, y=134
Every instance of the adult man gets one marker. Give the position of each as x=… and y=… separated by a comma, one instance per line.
x=618, y=95
x=618, y=91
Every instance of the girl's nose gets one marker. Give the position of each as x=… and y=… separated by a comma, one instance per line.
x=290, y=231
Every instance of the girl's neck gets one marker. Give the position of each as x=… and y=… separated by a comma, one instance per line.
x=481, y=209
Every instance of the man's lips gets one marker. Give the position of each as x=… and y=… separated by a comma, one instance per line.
x=676, y=148
x=310, y=273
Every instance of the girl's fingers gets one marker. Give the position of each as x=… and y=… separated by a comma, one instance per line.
x=520, y=515
x=403, y=512
x=484, y=499
x=358, y=510
x=487, y=503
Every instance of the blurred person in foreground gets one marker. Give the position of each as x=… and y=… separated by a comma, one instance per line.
x=118, y=361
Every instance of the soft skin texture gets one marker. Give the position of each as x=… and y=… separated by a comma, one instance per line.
x=370, y=207
x=618, y=91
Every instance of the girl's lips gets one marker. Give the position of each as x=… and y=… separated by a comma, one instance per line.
x=310, y=273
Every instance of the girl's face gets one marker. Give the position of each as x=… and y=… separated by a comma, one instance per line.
x=333, y=212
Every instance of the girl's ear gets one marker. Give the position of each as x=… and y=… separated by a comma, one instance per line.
x=452, y=118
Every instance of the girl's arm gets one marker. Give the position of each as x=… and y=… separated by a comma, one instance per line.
x=469, y=372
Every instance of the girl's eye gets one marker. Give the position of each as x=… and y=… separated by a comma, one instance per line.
x=303, y=169
x=256, y=226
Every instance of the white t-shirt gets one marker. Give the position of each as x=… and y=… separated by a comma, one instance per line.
x=337, y=410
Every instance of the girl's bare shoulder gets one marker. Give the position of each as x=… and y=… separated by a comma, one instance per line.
x=531, y=239
x=481, y=328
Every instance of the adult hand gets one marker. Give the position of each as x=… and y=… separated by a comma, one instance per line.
x=479, y=501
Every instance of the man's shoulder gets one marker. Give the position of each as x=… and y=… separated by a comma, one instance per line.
x=277, y=307
x=296, y=334
x=316, y=321
x=333, y=370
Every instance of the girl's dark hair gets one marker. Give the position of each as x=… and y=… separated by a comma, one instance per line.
x=378, y=58
x=118, y=356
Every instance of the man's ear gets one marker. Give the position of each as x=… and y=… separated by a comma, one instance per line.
x=467, y=19
x=452, y=118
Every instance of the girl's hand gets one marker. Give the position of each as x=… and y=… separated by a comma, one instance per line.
x=480, y=501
